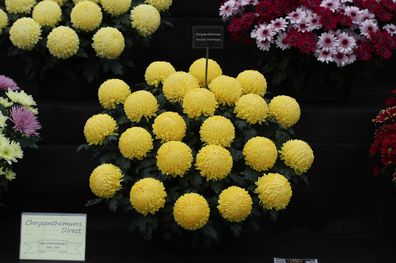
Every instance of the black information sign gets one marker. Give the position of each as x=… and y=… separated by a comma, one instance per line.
x=208, y=37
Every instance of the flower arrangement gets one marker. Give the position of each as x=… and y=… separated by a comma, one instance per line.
x=19, y=127
x=88, y=36
x=185, y=159
x=383, y=148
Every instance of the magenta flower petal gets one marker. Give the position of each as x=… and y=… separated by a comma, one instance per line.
x=24, y=121
x=6, y=83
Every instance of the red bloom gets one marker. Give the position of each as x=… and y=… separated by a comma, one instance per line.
x=239, y=28
x=344, y=20
x=391, y=101
x=327, y=19
x=389, y=5
x=292, y=36
x=382, y=14
x=312, y=4
x=266, y=11
x=364, y=51
x=307, y=43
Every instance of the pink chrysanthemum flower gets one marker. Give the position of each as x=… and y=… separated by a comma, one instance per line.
x=279, y=24
x=263, y=45
x=325, y=56
x=327, y=41
x=264, y=32
x=368, y=27
x=280, y=41
x=24, y=121
x=346, y=43
x=333, y=5
x=6, y=83
x=391, y=29
x=228, y=9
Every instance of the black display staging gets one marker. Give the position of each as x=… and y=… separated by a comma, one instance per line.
x=345, y=215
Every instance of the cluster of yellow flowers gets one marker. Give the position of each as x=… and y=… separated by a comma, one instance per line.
x=217, y=133
x=87, y=15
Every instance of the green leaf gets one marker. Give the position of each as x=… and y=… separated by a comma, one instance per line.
x=236, y=229
x=113, y=204
x=237, y=179
x=93, y=202
x=273, y=215
x=82, y=147
x=236, y=155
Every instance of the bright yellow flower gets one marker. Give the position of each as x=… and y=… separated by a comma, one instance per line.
x=285, y=110
x=226, y=89
x=199, y=102
x=161, y=5
x=47, y=13
x=3, y=20
x=78, y=1
x=25, y=33
x=252, y=81
x=177, y=84
x=60, y=2
x=274, y=191
x=214, y=162
x=140, y=104
x=98, y=127
x=108, y=43
x=260, y=153
x=191, y=211
x=19, y=6
x=169, y=126
x=63, y=42
x=217, y=130
x=252, y=108
x=197, y=69
x=106, y=180
x=298, y=155
x=147, y=196
x=157, y=72
x=235, y=204
x=135, y=143
x=113, y=92
x=116, y=8
x=86, y=16
x=174, y=158
x=145, y=19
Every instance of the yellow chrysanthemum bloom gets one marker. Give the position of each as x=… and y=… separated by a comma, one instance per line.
x=235, y=204
x=199, y=102
x=217, y=130
x=116, y=8
x=298, y=155
x=147, y=196
x=197, y=69
x=19, y=6
x=108, y=43
x=47, y=13
x=260, y=153
x=140, y=104
x=78, y=1
x=3, y=20
x=226, y=89
x=25, y=33
x=252, y=81
x=174, y=158
x=161, y=5
x=98, y=127
x=177, y=84
x=285, y=110
x=214, y=162
x=105, y=180
x=63, y=42
x=113, y=92
x=191, y=211
x=86, y=16
x=169, y=126
x=274, y=191
x=157, y=72
x=145, y=19
x=135, y=143
x=60, y=2
x=252, y=108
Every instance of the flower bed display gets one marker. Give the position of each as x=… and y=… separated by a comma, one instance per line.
x=183, y=159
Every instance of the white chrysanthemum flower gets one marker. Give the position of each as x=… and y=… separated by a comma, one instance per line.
x=327, y=41
x=279, y=24
x=228, y=9
x=367, y=27
x=333, y=5
x=264, y=32
x=280, y=41
x=391, y=29
x=346, y=43
x=20, y=97
x=325, y=56
x=296, y=16
x=263, y=45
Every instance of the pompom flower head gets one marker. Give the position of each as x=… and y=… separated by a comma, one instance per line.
x=63, y=42
x=145, y=19
x=252, y=108
x=214, y=162
x=174, y=158
x=105, y=180
x=60, y=2
x=169, y=126
x=19, y=6
x=147, y=196
x=177, y=84
x=298, y=155
x=197, y=69
x=3, y=20
x=161, y=5
x=113, y=92
x=99, y=127
x=116, y=8
x=199, y=102
x=252, y=81
x=226, y=89
x=191, y=211
x=260, y=153
x=108, y=43
x=47, y=13
x=24, y=121
x=274, y=191
x=25, y=33
x=86, y=16
x=217, y=130
x=135, y=143
x=157, y=72
x=7, y=83
x=285, y=110
x=140, y=104
x=235, y=204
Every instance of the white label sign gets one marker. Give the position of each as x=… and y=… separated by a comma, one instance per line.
x=50, y=236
